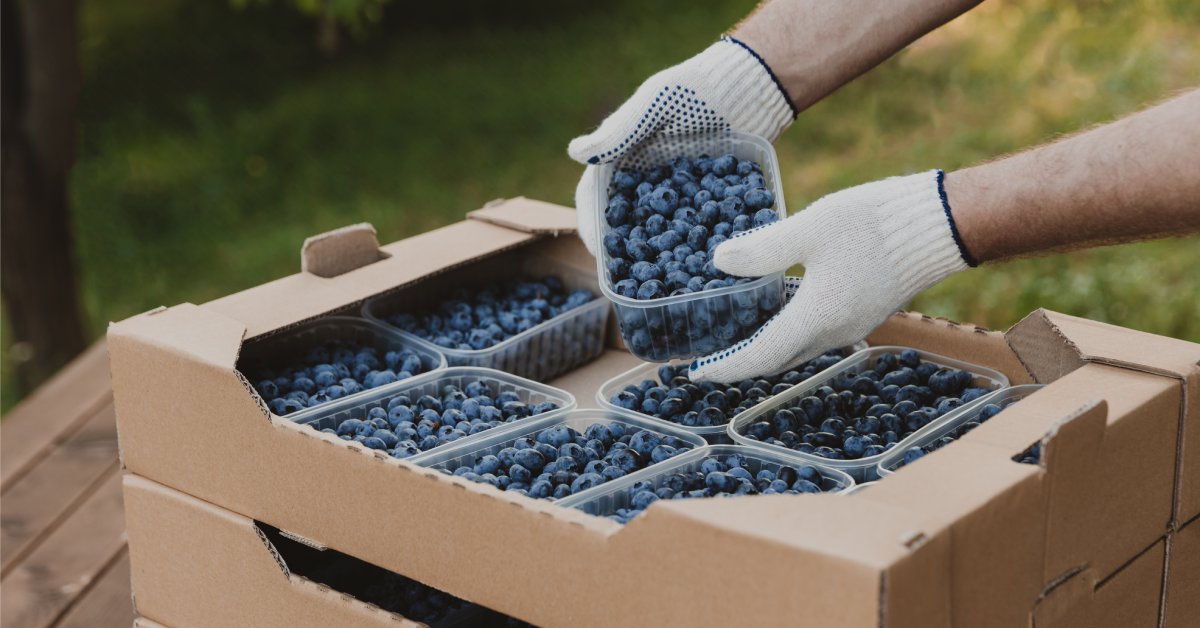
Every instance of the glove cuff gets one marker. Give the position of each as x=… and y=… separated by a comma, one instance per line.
x=756, y=101
x=920, y=240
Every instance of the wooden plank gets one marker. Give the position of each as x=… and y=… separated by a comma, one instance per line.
x=41, y=587
x=52, y=413
x=55, y=487
x=107, y=603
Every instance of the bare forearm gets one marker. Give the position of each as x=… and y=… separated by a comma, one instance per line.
x=816, y=46
x=1136, y=178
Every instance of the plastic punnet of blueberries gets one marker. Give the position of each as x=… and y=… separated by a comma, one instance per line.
x=404, y=427
x=674, y=397
x=666, y=221
x=859, y=415
x=913, y=454
x=560, y=461
x=662, y=225
x=721, y=476
x=330, y=371
x=474, y=320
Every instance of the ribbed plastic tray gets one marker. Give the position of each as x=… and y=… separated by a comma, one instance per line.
x=862, y=469
x=469, y=451
x=894, y=459
x=607, y=499
x=332, y=414
x=290, y=346
x=714, y=434
x=541, y=352
x=657, y=330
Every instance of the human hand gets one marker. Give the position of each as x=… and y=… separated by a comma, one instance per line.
x=866, y=251
x=726, y=87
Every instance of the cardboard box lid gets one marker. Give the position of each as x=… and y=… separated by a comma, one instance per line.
x=1050, y=345
x=363, y=269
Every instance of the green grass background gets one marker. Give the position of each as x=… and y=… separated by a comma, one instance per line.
x=214, y=139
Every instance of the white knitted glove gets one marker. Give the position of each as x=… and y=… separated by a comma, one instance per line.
x=726, y=87
x=866, y=251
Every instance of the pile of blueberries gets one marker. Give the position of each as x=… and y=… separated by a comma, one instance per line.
x=663, y=224
x=473, y=320
x=397, y=594
x=858, y=415
x=559, y=461
x=676, y=398
x=721, y=476
x=403, y=427
x=912, y=454
x=331, y=371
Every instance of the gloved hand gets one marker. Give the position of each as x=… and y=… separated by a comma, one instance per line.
x=866, y=251
x=726, y=87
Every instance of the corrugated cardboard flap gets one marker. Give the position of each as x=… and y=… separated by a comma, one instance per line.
x=1051, y=344
x=185, y=329
x=528, y=215
x=335, y=252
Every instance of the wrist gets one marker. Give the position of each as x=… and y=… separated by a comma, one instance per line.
x=764, y=61
x=964, y=197
x=920, y=241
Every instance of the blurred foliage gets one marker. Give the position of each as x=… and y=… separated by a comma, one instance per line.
x=352, y=14
x=205, y=163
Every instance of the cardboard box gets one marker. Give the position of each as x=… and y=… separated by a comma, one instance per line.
x=1129, y=598
x=196, y=564
x=1181, y=606
x=967, y=538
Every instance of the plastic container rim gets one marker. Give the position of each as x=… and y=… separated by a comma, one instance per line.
x=927, y=433
x=597, y=303
x=845, y=481
x=652, y=367
x=281, y=335
x=534, y=424
x=806, y=388
x=317, y=413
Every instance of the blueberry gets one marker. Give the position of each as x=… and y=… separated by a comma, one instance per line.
x=724, y=165
x=586, y=481
x=653, y=289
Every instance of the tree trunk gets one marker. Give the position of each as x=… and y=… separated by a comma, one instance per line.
x=41, y=85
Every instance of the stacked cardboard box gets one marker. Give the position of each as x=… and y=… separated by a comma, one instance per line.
x=1093, y=536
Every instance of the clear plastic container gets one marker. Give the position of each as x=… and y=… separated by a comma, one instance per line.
x=657, y=330
x=615, y=495
x=862, y=469
x=288, y=347
x=469, y=450
x=894, y=459
x=714, y=434
x=332, y=414
x=541, y=352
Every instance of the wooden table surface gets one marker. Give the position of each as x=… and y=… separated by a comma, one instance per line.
x=63, y=560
